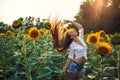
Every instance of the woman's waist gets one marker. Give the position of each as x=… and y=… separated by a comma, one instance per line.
x=80, y=60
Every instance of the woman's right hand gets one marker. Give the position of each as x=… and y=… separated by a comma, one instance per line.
x=63, y=72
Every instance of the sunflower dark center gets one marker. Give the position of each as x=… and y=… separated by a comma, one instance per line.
x=102, y=34
x=34, y=34
x=103, y=50
x=93, y=39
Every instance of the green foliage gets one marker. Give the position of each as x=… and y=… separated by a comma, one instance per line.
x=115, y=39
x=24, y=59
x=4, y=27
x=98, y=67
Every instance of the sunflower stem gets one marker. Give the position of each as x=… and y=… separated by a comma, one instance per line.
x=34, y=46
x=101, y=68
x=117, y=47
x=26, y=59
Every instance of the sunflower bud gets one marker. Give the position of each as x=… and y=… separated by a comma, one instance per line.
x=47, y=25
x=115, y=39
x=16, y=24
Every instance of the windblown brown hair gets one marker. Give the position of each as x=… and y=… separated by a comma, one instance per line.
x=61, y=41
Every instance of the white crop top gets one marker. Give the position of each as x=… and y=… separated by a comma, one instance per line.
x=78, y=50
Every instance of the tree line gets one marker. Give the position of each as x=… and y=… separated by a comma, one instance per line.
x=97, y=15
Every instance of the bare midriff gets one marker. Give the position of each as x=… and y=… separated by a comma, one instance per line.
x=80, y=60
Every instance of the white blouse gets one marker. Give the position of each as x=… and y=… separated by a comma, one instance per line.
x=78, y=50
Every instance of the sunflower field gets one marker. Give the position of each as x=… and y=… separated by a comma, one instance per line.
x=26, y=52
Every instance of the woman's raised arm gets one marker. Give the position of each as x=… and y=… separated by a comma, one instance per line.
x=79, y=26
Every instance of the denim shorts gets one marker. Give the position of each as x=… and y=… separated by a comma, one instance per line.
x=75, y=67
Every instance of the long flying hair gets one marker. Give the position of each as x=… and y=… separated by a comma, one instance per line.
x=61, y=41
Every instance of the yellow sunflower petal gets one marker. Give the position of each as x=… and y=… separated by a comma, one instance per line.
x=1, y=34
x=106, y=37
x=42, y=32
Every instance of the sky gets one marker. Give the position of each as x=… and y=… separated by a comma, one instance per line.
x=13, y=9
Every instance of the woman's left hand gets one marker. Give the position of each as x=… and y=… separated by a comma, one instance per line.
x=66, y=21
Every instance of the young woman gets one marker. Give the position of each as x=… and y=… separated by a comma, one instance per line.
x=76, y=46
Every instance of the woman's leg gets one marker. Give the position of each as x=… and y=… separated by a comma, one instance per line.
x=75, y=76
x=81, y=74
x=72, y=76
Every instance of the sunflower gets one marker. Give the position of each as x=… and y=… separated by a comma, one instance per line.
x=33, y=33
x=46, y=31
x=92, y=39
x=64, y=29
x=42, y=32
x=106, y=37
x=73, y=29
x=9, y=32
x=26, y=35
x=1, y=34
x=16, y=24
x=48, y=25
x=104, y=49
x=101, y=33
